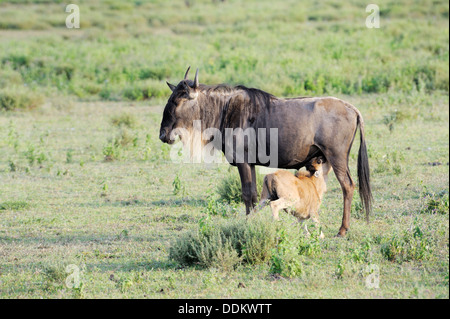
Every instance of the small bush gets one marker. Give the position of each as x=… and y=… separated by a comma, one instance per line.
x=357, y=209
x=310, y=245
x=259, y=238
x=178, y=186
x=435, y=203
x=16, y=61
x=230, y=190
x=226, y=243
x=390, y=163
x=125, y=138
x=217, y=207
x=410, y=245
x=285, y=260
x=111, y=151
x=362, y=253
x=124, y=119
x=10, y=78
x=13, y=205
x=114, y=148
x=69, y=156
x=19, y=99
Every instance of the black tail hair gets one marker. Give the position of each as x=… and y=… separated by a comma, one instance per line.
x=365, y=191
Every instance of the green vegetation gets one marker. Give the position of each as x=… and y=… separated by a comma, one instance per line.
x=86, y=184
x=229, y=189
x=13, y=205
x=126, y=51
x=13, y=98
x=226, y=243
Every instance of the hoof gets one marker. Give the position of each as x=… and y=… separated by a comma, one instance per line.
x=342, y=232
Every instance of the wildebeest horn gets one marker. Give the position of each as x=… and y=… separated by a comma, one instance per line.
x=196, y=79
x=186, y=74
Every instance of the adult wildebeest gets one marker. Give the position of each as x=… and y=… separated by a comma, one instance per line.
x=306, y=128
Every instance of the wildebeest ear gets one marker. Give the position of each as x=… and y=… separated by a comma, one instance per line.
x=171, y=86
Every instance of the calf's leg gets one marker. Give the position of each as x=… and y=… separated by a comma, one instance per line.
x=276, y=205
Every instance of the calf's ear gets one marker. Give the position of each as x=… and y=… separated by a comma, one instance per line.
x=171, y=86
x=321, y=159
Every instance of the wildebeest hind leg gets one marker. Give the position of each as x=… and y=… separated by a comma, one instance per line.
x=342, y=172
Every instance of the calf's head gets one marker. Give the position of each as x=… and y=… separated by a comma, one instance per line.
x=181, y=109
x=314, y=166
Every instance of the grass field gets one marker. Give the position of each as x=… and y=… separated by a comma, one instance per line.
x=85, y=182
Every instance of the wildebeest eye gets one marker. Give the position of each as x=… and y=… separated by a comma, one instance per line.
x=185, y=94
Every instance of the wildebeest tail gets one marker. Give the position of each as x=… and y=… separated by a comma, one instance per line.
x=365, y=191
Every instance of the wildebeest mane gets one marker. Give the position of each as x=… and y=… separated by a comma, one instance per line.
x=239, y=102
x=258, y=98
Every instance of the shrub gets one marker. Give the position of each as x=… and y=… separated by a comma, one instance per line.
x=362, y=252
x=409, y=245
x=435, y=203
x=16, y=61
x=226, y=243
x=10, y=78
x=19, y=99
x=178, y=186
x=205, y=249
x=310, y=245
x=217, y=207
x=124, y=119
x=14, y=205
x=229, y=189
x=133, y=93
x=111, y=151
x=125, y=138
x=285, y=260
x=259, y=238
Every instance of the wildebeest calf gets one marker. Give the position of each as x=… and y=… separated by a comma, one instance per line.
x=300, y=195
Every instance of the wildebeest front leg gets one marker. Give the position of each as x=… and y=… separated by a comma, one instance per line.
x=245, y=172
x=254, y=186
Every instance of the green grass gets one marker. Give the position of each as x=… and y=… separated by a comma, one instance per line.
x=86, y=184
x=287, y=49
x=121, y=218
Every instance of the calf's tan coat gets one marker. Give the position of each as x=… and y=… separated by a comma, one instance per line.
x=300, y=195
